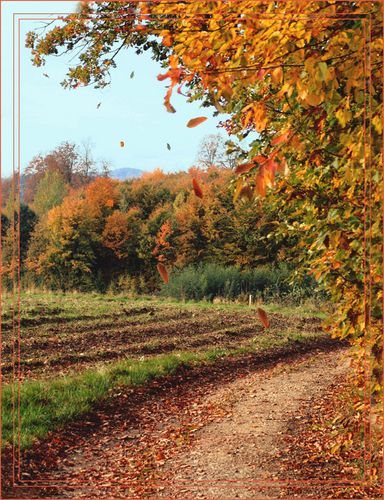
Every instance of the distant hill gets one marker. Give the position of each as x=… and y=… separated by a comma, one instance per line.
x=125, y=173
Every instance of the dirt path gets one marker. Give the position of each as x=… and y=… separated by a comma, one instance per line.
x=242, y=450
x=178, y=436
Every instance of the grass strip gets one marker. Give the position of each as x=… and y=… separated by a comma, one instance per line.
x=48, y=405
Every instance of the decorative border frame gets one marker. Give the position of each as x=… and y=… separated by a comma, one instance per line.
x=18, y=17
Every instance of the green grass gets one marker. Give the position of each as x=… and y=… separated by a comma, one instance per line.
x=73, y=305
x=50, y=404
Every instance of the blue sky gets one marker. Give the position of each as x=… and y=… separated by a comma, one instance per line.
x=131, y=109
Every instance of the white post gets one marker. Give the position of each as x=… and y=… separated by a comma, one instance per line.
x=250, y=299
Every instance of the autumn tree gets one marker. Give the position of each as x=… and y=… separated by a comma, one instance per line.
x=68, y=259
x=146, y=193
x=73, y=163
x=50, y=192
x=303, y=81
x=121, y=236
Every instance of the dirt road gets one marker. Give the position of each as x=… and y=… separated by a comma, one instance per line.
x=209, y=432
x=238, y=456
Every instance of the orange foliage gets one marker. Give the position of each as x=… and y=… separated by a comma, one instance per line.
x=101, y=194
x=117, y=233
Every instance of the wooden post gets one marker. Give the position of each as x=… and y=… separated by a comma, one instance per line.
x=250, y=299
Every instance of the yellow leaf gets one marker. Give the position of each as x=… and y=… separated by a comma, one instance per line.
x=277, y=75
x=377, y=123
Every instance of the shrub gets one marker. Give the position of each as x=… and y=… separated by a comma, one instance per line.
x=209, y=281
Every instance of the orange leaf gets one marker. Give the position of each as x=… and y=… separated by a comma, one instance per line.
x=122, y=144
x=263, y=317
x=197, y=189
x=194, y=122
x=260, y=74
x=167, y=101
x=169, y=106
x=167, y=40
x=281, y=138
x=163, y=76
x=277, y=75
x=245, y=167
x=260, y=159
x=260, y=184
x=163, y=272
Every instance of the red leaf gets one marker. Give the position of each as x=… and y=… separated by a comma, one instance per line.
x=197, y=189
x=263, y=317
x=163, y=272
x=194, y=122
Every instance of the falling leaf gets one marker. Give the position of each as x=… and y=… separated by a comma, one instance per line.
x=122, y=144
x=194, y=122
x=168, y=146
x=98, y=106
x=46, y=75
x=197, y=189
x=163, y=272
x=132, y=74
x=263, y=317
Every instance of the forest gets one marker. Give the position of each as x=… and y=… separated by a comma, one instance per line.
x=82, y=230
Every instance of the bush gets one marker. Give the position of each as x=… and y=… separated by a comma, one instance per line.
x=209, y=281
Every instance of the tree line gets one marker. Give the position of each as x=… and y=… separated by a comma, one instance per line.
x=80, y=229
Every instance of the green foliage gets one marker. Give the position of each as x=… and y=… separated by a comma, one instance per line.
x=208, y=281
x=20, y=225
x=50, y=192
